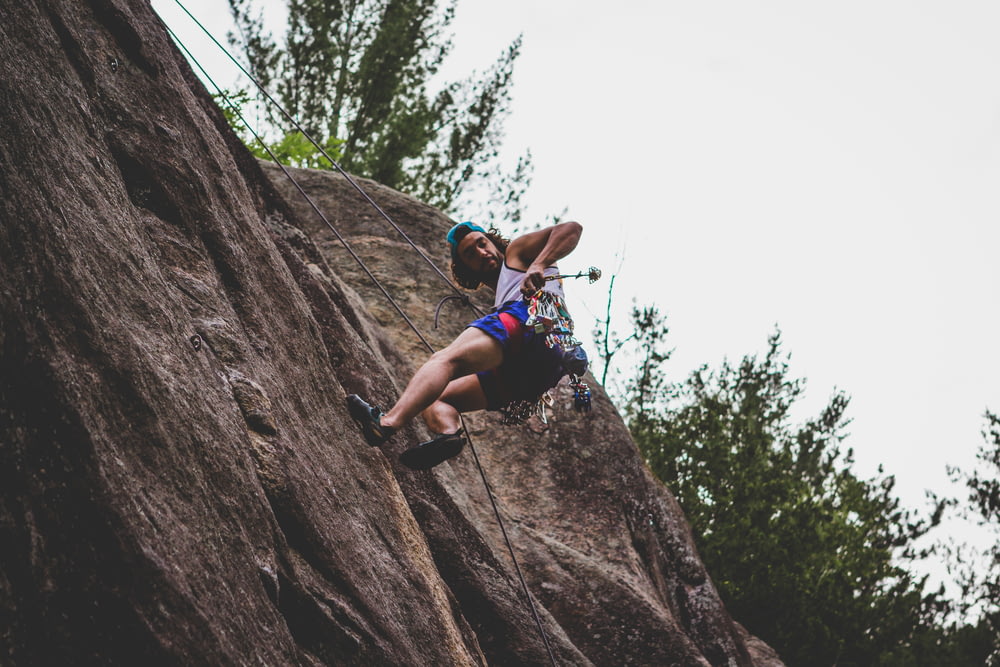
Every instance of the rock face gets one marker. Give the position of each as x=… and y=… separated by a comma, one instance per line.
x=179, y=480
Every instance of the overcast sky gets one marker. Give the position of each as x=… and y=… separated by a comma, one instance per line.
x=827, y=167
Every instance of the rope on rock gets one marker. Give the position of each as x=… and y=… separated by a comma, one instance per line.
x=315, y=208
x=371, y=276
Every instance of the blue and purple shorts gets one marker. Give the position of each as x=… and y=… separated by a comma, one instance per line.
x=529, y=367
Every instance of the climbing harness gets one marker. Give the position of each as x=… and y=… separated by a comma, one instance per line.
x=475, y=453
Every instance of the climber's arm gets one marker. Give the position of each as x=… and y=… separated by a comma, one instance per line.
x=536, y=251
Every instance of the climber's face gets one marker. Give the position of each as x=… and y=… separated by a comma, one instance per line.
x=478, y=254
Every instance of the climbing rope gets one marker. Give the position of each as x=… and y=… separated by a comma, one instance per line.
x=371, y=276
x=510, y=546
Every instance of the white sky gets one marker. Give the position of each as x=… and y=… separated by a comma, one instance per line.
x=829, y=168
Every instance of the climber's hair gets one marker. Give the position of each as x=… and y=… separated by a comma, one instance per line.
x=465, y=276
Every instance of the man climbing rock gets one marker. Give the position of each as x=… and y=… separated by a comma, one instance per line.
x=503, y=361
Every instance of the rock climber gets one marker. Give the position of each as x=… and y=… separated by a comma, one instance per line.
x=498, y=362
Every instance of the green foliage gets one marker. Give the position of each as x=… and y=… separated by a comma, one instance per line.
x=359, y=71
x=610, y=342
x=294, y=148
x=233, y=104
x=951, y=646
x=647, y=391
x=803, y=552
x=979, y=574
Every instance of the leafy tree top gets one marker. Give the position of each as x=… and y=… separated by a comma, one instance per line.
x=356, y=75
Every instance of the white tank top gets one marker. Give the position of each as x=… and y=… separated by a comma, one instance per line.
x=509, y=284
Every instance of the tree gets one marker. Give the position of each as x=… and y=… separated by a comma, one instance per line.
x=804, y=553
x=953, y=645
x=648, y=389
x=356, y=74
x=609, y=343
x=294, y=148
x=979, y=574
x=648, y=335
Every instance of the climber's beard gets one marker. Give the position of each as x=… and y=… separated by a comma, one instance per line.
x=491, y=275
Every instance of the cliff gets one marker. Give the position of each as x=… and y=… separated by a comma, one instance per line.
x=179, y=479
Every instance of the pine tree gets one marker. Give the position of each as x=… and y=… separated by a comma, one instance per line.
x=805, y=554
x=356, y=75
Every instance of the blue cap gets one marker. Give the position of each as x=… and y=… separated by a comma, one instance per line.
x=456, y=233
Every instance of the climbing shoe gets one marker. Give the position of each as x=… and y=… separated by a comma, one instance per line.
x=369, y=420
x=428, y=454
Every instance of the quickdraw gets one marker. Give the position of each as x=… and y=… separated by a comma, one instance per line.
x=518, y=412
x=581, y=394
x=548, y=315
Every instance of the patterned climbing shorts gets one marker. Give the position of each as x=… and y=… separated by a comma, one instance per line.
x=529, y=368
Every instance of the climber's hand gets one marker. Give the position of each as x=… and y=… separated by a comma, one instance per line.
x=534, y=280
